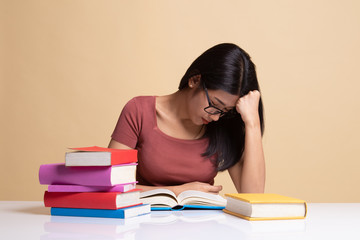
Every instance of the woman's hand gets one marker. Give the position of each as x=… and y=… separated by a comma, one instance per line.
x=199, y=186
x=248, y=106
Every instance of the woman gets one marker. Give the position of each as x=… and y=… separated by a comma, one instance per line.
x=214, y=122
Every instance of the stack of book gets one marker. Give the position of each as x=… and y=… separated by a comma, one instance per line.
x=93, y=182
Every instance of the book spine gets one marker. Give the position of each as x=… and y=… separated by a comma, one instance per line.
x=78, y=212
x=88, y=176
x=78, y=188
x=80, y=200
x=118, y=213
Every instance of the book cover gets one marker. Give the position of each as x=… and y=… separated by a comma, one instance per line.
x=98, y=156
x=265, y=206
x=95, y=200
x=264, y=198
x=59, y=174
x=104, y=213
x=78, y=188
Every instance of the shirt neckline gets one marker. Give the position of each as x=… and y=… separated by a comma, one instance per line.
x=202, y=139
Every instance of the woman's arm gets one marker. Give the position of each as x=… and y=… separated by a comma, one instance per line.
x=248, y=175
x=204, y=187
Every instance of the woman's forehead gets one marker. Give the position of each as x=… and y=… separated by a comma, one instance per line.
x=223, y=98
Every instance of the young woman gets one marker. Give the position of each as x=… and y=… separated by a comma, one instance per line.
x=214, y=122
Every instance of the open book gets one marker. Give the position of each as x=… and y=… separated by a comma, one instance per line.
x=164, y=199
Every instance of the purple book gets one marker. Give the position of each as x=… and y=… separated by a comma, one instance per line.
x=77, y=188
x=59, y=174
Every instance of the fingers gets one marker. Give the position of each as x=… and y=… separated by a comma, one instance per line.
x=252, y=94
x=200, y=186
x=215, y=189
x=210, y=188
x=251, y=98
x=247, y=106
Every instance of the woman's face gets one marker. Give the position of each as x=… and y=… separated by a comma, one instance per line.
x=218, y=98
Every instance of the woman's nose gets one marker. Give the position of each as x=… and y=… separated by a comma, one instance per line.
x=215, y=117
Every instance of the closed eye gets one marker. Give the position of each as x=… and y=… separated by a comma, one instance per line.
x=227, y=109
x=214, y=104
x=221, y=102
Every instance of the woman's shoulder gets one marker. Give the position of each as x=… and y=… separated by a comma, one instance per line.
x=143, y=99
x=140, y=100
x=140, y=104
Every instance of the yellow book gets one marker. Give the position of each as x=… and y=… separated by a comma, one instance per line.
x=265, y=206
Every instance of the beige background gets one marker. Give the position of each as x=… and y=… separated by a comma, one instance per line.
x=68, y=67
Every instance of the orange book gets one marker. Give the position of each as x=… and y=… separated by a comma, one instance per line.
x=99, y=156
x=265, y=206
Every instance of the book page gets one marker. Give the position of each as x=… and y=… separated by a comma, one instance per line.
x=158, y=191
x=192, y=197
x=159, y=201
x=87, y=158
x=159, y=197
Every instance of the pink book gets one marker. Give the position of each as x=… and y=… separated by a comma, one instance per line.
x=59, y=174
x=77, y=188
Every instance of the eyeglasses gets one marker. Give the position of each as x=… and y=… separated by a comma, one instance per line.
x=211, y=109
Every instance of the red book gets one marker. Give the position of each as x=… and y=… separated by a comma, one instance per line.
x=98, y=156
x=92, y=200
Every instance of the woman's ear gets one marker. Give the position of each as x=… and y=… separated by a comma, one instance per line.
x=194, y=81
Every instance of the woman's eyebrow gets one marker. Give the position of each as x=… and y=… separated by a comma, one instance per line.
x=222, y=103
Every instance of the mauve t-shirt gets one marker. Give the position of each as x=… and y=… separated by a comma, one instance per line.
x=163, y=160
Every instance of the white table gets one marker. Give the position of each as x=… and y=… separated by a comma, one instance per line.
x=31, y=220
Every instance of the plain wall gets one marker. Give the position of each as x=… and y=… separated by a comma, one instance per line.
x=68, y=67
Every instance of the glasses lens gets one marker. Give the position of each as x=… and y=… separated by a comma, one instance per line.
x=213, y=111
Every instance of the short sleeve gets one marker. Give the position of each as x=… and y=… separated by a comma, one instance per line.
x=127, y=130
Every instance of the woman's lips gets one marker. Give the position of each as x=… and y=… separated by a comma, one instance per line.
x=205, y=121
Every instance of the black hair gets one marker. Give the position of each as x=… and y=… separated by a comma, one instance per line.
x=229, y=68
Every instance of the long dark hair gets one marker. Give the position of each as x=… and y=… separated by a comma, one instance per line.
x=229, y=68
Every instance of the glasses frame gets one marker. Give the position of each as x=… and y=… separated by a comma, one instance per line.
x=206, y=109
